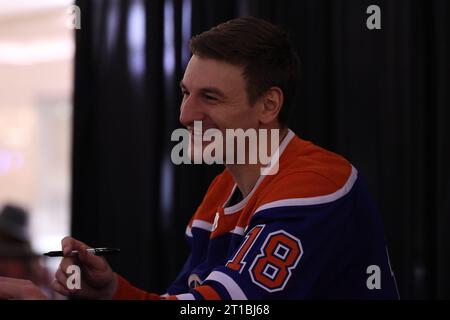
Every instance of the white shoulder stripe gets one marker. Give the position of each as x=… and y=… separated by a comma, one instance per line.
x=201, y=224
x=185, y=296
x=230, y=285
x=314, y=200
x=238, y=230
x=204, y=225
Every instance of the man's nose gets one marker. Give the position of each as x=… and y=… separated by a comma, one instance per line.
x=190, y=111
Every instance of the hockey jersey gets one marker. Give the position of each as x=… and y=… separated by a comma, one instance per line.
x=311, y=231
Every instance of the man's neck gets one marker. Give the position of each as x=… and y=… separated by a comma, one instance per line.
x=246, y=175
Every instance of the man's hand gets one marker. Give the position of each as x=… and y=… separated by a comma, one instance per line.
x=98, y=281
x=19, y=289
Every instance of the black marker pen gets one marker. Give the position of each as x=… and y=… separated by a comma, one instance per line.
x=96, y=251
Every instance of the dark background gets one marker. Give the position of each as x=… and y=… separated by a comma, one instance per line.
x=378, y=97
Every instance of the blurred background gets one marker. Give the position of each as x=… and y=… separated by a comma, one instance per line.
x=36, y=86
x=86, y=116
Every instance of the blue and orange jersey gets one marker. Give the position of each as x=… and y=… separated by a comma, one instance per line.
x=310, y=231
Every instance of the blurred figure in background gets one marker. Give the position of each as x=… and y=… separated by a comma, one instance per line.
x=17, y=259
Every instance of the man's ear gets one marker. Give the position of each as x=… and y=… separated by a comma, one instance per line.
x=272, y=101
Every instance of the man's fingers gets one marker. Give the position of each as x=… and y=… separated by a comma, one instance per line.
x=91, y=261
x=61, y=274
x=68, y=261
x=61, y=284
x=61, y=278
x=68, y=244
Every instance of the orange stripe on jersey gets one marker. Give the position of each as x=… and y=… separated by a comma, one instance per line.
x=208, y=293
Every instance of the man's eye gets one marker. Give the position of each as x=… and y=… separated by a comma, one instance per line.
x=210, y=98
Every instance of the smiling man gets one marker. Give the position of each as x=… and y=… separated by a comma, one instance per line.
x=310, y=231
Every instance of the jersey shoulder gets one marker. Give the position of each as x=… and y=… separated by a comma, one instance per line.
x=308, y=175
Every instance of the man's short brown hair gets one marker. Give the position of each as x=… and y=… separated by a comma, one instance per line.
x=263, y=49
